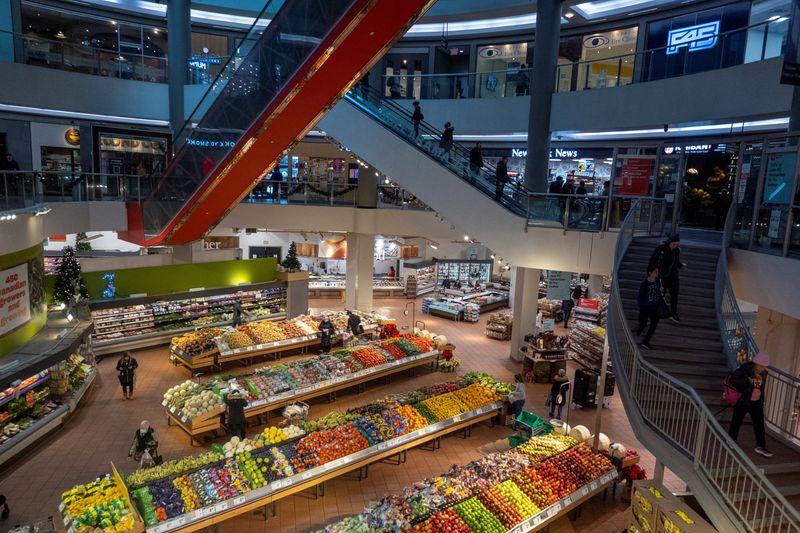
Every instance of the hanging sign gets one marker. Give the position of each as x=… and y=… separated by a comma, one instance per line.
x=558, y=285
x=15, y=305
x=633, y=178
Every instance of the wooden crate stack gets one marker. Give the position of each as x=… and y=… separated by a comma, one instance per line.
x=499, y=325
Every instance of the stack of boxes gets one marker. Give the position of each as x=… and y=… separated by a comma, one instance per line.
x=656, y=510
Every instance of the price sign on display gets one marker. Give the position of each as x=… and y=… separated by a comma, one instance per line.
x=567, y=500
x=584, y=491
x=238, y=500
x=593, y=485
x=382, y=446
x=180, y=521
x=66, y=521
x=61, y=507
x=164, y=403
x=457, y=418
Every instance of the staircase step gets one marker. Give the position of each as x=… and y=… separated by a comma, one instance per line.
x=781, y=468
x=686, y=308
x=630, y=289
x=661, y=356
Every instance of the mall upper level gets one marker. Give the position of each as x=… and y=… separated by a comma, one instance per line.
x=708, y=61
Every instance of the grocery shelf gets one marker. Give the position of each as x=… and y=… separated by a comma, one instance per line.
x=214, y=514
x=555, y=511
x=41, y=427
x=210, y=422
x=25, y=389
x=78, y=395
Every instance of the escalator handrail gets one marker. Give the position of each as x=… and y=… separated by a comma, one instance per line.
x=712, y=435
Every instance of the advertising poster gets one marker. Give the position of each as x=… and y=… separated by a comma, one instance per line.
x=15, y=307
x=790, y=73
x=333, y=249
x=558, y=285
x=780, y=177
x=633, y=176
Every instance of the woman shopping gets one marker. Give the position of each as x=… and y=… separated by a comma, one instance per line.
x=126, y=372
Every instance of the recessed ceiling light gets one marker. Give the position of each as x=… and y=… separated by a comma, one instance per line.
x=569, y=15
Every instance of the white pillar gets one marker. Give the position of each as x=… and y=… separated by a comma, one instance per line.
x=358, y=288
x=525, y=298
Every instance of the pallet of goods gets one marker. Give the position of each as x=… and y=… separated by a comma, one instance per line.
x=472, y=312
x=655, y=509
x=232, y=479
x=591, y=310
x=519, y=490
x=586, y=341
x=551, y=309
x=499, y=325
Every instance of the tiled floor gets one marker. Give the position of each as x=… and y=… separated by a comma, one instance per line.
x=101, y=432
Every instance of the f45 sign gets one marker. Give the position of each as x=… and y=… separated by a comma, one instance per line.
x=699, y=37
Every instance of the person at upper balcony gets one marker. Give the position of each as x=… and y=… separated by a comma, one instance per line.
x=606, y=188
x=523, y=82
x=667, y=258
x=475, y=159
x=392, y=273
x=717, y=187
x=556, y=186
x=500, y=177
x=748, y=381
x=417, y=117
x=10, y=176
x=581, y=190
x=446, y=142
x=394, y=87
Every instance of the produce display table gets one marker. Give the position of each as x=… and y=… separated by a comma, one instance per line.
x=550, y=514
x=257, y=350
x=268, y=494
x=212, y=420
x=192, y=362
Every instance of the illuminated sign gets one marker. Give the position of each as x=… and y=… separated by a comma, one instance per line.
x=207, y=143
x=202, y=62
x=73, y=136
x=557, y=153
x=698, y=37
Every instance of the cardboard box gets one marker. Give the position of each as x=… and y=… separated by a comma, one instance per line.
x=677, y=517
x=647, y=496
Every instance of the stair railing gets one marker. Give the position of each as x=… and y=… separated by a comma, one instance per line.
x=719, y=472
x=782, y=393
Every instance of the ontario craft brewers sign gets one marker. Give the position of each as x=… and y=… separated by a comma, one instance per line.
x=15, y=309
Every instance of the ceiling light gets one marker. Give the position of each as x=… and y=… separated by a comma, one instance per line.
x=466, y=237
x=60, y=35
x=434, y=247
x=601, y=8
x=773, y=18
x=782, y=19
x=492, y=256
x=569, y=15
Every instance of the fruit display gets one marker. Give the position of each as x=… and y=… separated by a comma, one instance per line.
x=237, y=339
x=445, y=405
x=196, y=342
x=494, y=493
x=170, y=468
x=99, y=504
x=263, y=332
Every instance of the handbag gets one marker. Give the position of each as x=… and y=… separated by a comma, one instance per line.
x=662, y=308
x=559, y=400
x=732, y=395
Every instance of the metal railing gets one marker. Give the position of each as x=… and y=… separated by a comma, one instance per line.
x=782, y=394
x=21, y=189
x=742, y=45
x=675, y=412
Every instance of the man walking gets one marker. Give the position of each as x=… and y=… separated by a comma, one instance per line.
x=500, y=177
x=475, y=159
x=667, y=259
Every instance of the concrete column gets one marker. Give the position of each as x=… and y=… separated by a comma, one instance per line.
x=185, y=253
x=525, y=298
x=545, y=58
x=595, y=285
x=179, y=30
x=358, y=280
x=367, y=192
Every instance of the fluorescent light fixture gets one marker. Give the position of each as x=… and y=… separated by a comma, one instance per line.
x=77, y=115
x=435, y=247
x=493, y=137
x=569, y=15
x=781, y=19
x=603, y=8
x=703, y=128
x=423, y=29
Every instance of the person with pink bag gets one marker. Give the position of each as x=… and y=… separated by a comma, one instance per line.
x=748, y=380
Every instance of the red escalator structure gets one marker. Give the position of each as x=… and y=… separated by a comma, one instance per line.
x=285, y=74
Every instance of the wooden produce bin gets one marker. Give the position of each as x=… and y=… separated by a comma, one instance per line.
x=205, y=423
x=192, y=362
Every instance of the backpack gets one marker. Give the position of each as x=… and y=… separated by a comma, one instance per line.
x=730, y=393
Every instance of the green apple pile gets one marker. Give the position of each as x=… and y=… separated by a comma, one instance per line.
x=477, y=517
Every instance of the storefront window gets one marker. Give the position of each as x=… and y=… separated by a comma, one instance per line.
x=92, y=45
x=696, y=42
x=452, y=79
x=403, y=76
x=503, y=70
x=766, y=40
x=607, y=59
x=209, y=53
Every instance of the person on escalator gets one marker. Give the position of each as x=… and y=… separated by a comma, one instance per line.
x=500, y=177
x=475, y=159
x=417, y=117
x=446, y=142
x=748, y=381
x=363, y=85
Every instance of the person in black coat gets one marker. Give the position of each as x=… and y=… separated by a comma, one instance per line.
x=446, y=142
x=749, y=380
x=236, y=420
x=500, y=177
x=354, y=324
x=475, y=159
x=417, y=117
x=126, y=372
x=667, y=258
x=558, y=393
x=648, y=298
x=326, y=331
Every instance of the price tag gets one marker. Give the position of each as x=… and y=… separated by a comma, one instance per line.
x=221, y=507
x=382, y=446
x=71, y=529
x=66, y=521
x=164, y=403
x=584, y=491
x=180, y=521
x=457, y=418
x=593, y=486
x=567, y=500
x=61, y=507
x=238, y=500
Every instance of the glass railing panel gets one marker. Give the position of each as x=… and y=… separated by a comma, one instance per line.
x=794, y=237
x=586, y=213
x=265, y=62
x=770, y=230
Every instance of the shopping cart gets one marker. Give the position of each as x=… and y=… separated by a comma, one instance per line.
x=528, y=425
x=296, y=413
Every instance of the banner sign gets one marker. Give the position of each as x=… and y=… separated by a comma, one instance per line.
x=633, y=177
x=15, y=307
x=558, y=285
x=588, y=303
x=790, y=73
x=780, y=178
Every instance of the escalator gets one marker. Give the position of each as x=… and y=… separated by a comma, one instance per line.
x=513, y=222
x=284, y=75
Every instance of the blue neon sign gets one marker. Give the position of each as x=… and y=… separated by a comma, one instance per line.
x=698, y=37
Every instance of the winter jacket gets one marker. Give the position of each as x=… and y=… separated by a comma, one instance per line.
x=126, y=371
x=144, y=442
x=743, y=380
x=560, y=386
x=668, y=263
x=235, y=410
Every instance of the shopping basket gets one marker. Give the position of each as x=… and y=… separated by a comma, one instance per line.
x=296, y=413
x=529, y=425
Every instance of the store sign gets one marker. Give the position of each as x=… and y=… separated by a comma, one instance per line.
x=587, y=303
x=208, y=143
x=220, y=243
x=73, y=136
x=695, y=149
x=15, y=305
x=558, y=285
x=694, y=38
x=610, y=39
x=555, y=153
x=503, y=51
x=633, y=177
x=202, y=62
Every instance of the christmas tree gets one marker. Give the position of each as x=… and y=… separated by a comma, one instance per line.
x=69, y=282
x=290, y=262
x=82, y=243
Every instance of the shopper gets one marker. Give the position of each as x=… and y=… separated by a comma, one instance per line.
x=6, y=511
x=566, y=307
x=446, y=142
x=392, y=273
x=649, y=298
x=556, y=186
x=606, y=188
x=394, y=87
x=363, y=85
x=749, y=380
x=581, y=190
x=354, y=324
x=326, y=333
x=717, y=187
x=500, y=177
x=475, y=159
x=239, y=314
x=667, y=258
x=126, y=372
x=517, y=396
x=417, y=117
x=144, y=440
x=577, y=293
x=8, y=179
x=558, y=393
x=236, y=402
x=523, y=81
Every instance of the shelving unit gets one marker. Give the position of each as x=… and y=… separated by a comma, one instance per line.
x=152, y=320
x=463, y=270
x=331, y=286
x=258, y=498
x=420, y=278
